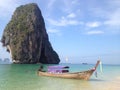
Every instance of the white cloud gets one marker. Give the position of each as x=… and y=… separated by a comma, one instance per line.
x=48, y=7
x=54, y=31
x=69, y=6
x=113, y=19
x=50, y=4
x=71, y=15
x=98, y=12
x=94, y=32
x=114, y=3
x=7, y=7
x=108, y=15
x=93, y=24
x=64, y=22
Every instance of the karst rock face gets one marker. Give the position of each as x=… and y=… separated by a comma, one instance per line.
x=26, y=39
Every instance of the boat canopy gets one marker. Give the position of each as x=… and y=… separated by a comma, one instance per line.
x=58, y=69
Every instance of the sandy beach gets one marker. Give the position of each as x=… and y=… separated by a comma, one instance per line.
x=113, y=85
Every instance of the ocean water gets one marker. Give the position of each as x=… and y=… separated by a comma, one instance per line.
x=24, y=77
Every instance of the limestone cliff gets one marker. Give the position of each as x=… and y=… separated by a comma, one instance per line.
x=26, y=39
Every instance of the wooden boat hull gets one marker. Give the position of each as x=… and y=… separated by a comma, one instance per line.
x=85, y=75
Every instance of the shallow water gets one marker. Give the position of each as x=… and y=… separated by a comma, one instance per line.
x=24, y=77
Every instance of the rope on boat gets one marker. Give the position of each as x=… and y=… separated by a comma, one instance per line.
x=101, y=69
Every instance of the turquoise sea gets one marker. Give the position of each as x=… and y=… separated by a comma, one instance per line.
x=24, y=77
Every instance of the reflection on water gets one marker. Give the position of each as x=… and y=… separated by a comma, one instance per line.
x=24, y=77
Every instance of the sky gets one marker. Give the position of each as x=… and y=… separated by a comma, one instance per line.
x=80, y=30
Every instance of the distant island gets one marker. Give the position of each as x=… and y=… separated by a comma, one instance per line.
x=26, y=39
x=85, y=63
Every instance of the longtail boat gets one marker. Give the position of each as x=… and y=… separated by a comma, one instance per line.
x=83, y=75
